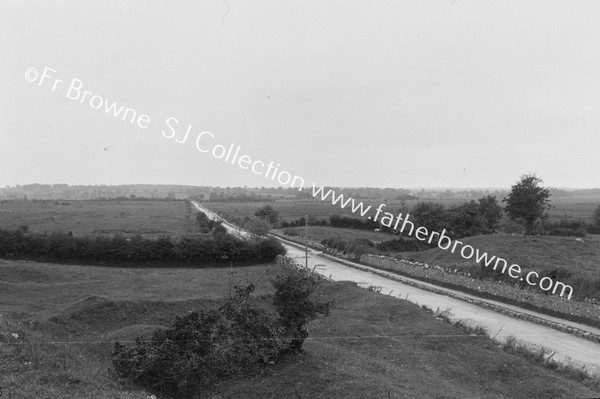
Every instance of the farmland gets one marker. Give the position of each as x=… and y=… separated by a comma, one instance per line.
x=579, y=206
x=535, y=253
x=91, y=217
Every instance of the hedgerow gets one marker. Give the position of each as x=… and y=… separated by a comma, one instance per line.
x=59, y=246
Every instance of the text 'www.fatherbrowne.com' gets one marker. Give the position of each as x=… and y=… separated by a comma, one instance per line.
x=403, y=224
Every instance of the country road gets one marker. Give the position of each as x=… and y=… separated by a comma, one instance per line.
x=567, y=348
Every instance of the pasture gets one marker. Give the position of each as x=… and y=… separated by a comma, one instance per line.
x=65, y=318
x=92, y=217
x=289, y=209
x=540, y=253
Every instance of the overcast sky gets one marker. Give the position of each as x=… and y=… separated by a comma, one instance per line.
x=345, y=93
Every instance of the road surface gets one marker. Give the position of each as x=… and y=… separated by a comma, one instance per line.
x=569, y=349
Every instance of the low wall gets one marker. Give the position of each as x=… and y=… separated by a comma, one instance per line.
x=436, y=273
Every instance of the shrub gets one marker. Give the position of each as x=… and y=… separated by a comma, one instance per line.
x=402, y=245
x=567, y=228
x=293, y=288
x=290, y=232
x=238, y=338
x=201, y=348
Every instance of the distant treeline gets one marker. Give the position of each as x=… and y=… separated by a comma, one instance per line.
x=334, y=221
x=219, y=247
x=466, y=219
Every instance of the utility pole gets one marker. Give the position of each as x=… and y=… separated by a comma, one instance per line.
x=306, y=240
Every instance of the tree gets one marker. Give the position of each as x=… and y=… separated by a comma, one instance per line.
x=465, y=220
x=267, y=213
x=597, y=216
x=527, y=201
x=430, y=215
x=256, y=227
x=491, y=212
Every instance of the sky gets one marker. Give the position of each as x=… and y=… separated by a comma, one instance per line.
x=343, y=93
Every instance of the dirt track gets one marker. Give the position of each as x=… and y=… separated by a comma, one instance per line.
x=568, y=348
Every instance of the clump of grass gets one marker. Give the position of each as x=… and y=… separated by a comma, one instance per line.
x=374, y=288
x=544, y=357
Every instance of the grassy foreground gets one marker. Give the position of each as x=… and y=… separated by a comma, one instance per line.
x=371, y=346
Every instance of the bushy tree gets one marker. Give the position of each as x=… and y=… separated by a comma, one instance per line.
x=256, y=227
x=267, y=213
x=465, y=220
x=527, y=201
x=431, y=215
x=491, y=212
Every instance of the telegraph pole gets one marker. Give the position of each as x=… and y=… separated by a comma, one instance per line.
x=306, y=240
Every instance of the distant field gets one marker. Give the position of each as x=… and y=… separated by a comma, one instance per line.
x=581, y=207
x=371, y=346
x=150, y=218
x=319, y=233
x=576, y=207
x=288, y=209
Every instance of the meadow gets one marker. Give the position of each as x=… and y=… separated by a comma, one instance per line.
x=65, y=319
x=92, y=217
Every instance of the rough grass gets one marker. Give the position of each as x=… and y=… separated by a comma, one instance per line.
x=288, y=209
x=320, y=233
x=541, y=254
x=82, y=217
x=371, y=345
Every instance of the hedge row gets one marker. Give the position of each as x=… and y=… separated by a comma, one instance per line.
x=59, y=246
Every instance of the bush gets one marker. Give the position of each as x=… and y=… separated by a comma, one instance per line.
x=593, y=229
x=561, y=231
x=238, y=338
x=201, y=348
x=567, y=228
x=402, y=245
x=293, y=288
x=290, y=232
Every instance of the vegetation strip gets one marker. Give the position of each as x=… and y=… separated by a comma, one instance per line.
x=561, y=327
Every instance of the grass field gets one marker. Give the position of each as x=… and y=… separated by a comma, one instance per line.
x=371, y=346
x=288, y=209
x=319, y=233
x=542, y=253
x=150, y=218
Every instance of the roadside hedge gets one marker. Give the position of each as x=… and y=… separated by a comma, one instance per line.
x=58, y=246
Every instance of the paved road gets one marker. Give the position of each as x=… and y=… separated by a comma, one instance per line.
x=568, y=348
